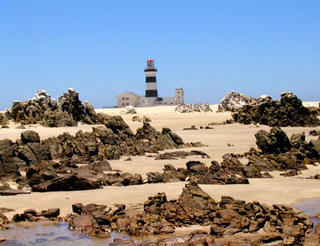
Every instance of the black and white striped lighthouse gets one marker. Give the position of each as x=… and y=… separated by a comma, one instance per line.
x=151, y=80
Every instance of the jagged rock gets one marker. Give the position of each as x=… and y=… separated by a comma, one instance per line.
x=8, y=165
x=289, y=111
x=277, y=152
x=274, y=142
x=188, y=108
x=231, y=171
x=52, y=214
x=46, y=111
x=257, y=222
x=234, y=101
x=58, y=119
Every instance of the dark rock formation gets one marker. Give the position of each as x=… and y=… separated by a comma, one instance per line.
x=278, y=152
x=314, y=133
x=289, y=111
x=230, y=171
x=52, y=214
x=44, y=110
x=174, y=155
x=195, y=207
x=67, y=182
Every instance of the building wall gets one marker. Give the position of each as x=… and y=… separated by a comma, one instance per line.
x=125, y=99
x=167, y=101
x=180, y=96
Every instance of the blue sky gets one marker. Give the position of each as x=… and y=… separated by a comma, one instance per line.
x=100, y=47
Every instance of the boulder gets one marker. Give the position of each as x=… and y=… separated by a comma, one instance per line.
x=67, y=182
x=30, y=137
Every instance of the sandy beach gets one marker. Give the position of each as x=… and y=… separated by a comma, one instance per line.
x=234, y=138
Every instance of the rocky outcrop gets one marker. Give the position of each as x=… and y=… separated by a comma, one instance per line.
x=43, y=109
x=113, y=140
x=289, y=111
x=234, y=101
x=189, y=108
x=195, y=207
x=278, y=152
x=34, y=156
x=51, y=214
x=230, y=171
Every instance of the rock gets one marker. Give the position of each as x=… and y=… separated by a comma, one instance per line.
x=130, y=110
x=58, y=119
x=45, y=110
x=234, y=101
x=180, y=154
x=314, y=133
x=136, y=118
x=193, y=127
x=4, y=222
x=289, y=111
x=274, y=142
x=7, y=191
x=3, y=119
x=290, y=173
x=103, y=165
x=154, y=177
x=83, y=223
x=188, y=108
x=34, y=216
x=51, y=213
x=67, y=182
x=196, y=167
x=30, y=137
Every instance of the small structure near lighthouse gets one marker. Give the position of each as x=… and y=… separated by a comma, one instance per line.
x=151, y=97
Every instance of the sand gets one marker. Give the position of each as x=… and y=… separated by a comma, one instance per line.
x=285, y=190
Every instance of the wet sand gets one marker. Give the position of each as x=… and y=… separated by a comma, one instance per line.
x=286, y=190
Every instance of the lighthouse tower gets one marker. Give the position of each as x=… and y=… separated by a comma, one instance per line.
x=151, y=94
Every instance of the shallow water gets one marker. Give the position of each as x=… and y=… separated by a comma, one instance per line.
x=310, y=208
x=40, y=234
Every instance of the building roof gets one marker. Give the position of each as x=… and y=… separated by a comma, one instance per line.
x=129, y=92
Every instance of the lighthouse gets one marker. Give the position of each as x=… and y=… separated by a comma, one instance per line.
x=151, y=97
x=151, y=81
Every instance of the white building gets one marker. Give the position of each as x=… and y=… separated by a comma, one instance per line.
x=128, y=98
x=151, y=97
